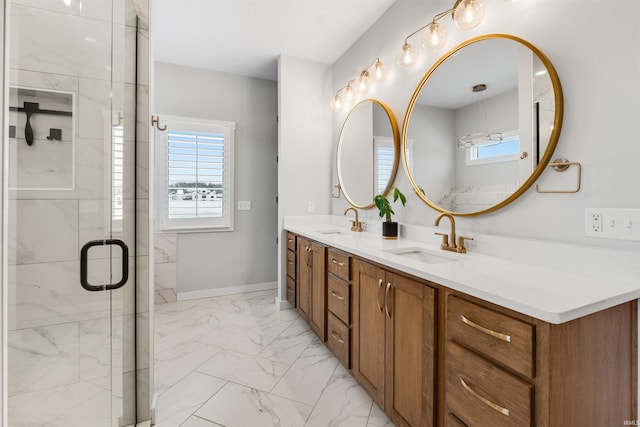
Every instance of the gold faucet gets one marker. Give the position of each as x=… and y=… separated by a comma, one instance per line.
x=355, y=225
x=451, y=245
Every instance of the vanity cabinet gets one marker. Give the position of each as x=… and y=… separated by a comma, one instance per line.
x=506, y=369
x=339, y=305
x=429, y=355
x=312, y=285
x=291, y=268
x=394, y=342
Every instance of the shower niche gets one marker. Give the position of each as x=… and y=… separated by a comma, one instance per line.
x=41, y=139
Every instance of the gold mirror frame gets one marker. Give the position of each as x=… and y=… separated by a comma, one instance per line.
x=396, y=152
x=553, y=139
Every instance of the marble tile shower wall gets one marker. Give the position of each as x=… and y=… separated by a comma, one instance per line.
x=165, y=281
x=65, y=341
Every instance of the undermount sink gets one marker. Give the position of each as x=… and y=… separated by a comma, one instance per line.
x=424, y=255
x=333, y=232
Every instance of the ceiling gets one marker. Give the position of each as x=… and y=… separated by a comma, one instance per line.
x=246, y=37
x=492, y=62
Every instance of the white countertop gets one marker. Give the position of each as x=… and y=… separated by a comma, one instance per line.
x=553, y=294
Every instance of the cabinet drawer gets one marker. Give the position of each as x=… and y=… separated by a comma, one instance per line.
x=338, y=339
x=481, y=394
x=291, y=264
x=502, y=338
x=339, y=263
x=453, y=421
x=339, y=297
x=291, y=291
x=291, y=241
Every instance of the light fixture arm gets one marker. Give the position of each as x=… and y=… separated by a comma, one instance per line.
x=435, y=19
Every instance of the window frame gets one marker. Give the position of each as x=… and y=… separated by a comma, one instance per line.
x=194, y=224
x=472, y=152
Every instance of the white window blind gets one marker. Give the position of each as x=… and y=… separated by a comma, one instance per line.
x=117, y=176
x=383, y=156
x=197, y=178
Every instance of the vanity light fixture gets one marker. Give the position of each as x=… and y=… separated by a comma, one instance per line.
x=466, y=14
x=376, y=72
x=480, y=138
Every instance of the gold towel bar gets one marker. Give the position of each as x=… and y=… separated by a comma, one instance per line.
x=561, y=165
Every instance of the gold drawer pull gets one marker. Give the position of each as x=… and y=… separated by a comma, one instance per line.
x=494, y=334
x=336, y=337
x=289, y=262
x=490, y=404
x=336, y=296
x=341, y=264
x=290, y=240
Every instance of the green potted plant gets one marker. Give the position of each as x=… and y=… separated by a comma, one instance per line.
x=389, y=228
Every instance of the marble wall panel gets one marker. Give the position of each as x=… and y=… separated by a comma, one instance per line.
x=50, y=293
x=165, y=248
x=59, y=43
x=43, y=231
x=93, y=347
x=121, y=12
x=43, y=358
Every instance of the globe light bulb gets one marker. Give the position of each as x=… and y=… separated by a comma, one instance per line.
x=337, y=104
x=349, y=93
x=362, y=83
x=408, y=56
x=379, y=73
x=468, y=14
x=434, y=37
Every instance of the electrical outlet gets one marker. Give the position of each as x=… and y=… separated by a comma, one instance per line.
x=311, y=207
x=613, y=223
x=596, y=222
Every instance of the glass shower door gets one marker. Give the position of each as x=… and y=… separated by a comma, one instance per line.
x=73, y=194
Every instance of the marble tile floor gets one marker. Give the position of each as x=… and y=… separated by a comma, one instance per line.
x=236, y=361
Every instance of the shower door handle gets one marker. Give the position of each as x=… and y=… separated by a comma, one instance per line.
x=84, y=261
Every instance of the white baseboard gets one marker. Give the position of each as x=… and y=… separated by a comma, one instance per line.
x=240, y=289
x=283, y=304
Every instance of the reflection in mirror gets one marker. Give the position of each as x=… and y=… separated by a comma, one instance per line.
x=368, y=148
x=483, y=123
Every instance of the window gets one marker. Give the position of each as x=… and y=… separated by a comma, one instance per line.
x=195, y=175
x=507, y=150
x=383, y=162
x=383, y=156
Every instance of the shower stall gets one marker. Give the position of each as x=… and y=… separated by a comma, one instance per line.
x=76, y=218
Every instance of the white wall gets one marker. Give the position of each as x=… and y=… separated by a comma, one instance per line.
x=210, y=263
x=598, y=69
x=304, y=144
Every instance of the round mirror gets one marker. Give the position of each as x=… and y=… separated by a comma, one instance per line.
x=482, y=125
x=368, y=153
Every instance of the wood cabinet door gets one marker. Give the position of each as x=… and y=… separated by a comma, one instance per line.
x=368, y=329
x=410, y=351
x=303, y=278
x=318, y=290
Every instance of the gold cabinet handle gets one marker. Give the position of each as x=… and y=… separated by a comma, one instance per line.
x=503, y=337
x=290, y=240
x=386, y=300
x=378, y=299
x=336, y=296
x=341, y=264
x=490, y=404
x=336, y=337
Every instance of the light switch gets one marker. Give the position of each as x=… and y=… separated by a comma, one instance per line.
x=244, y=205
